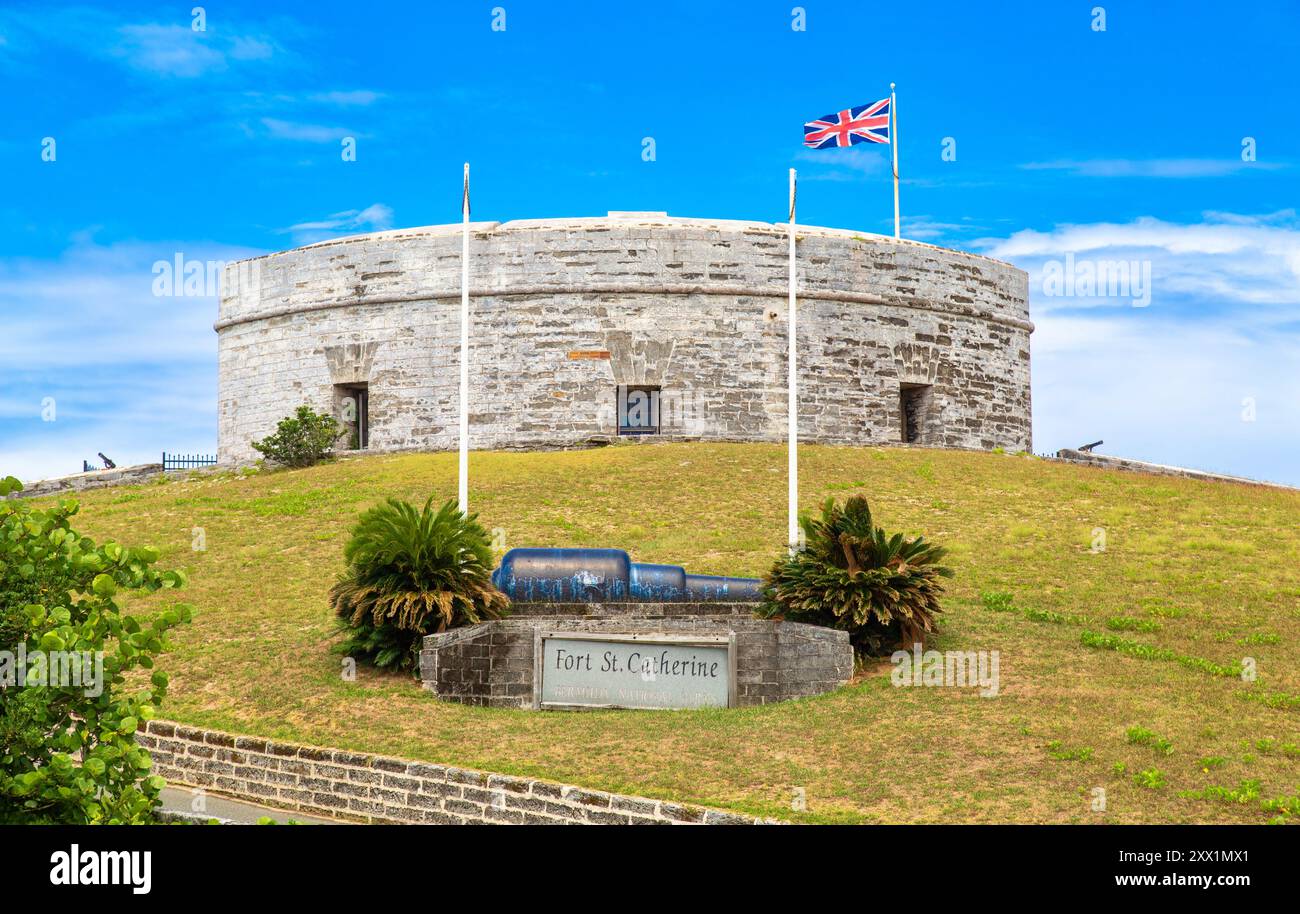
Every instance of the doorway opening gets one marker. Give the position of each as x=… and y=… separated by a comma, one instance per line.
x=353, y=408
x=914, y=404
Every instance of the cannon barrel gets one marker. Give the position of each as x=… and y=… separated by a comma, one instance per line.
x=708, y=588
x=530, y=575
x=656, y=583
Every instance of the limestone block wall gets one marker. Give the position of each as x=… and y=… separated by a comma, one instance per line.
x=95, y=479
x=565, y=310
x=1111, y=462
x=362, y=787
x=492, y=664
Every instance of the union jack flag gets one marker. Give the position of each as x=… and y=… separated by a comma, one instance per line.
x=864, y=124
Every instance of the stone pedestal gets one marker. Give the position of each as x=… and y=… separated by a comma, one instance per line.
x=496, y=664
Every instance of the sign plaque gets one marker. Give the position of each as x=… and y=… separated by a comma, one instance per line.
x=594, y=670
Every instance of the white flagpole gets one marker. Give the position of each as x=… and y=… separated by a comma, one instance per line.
x=463, y=490
x=792, y=379
x=893, y=141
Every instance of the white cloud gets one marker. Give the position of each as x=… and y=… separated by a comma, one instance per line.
x=1282, y=216
x=130, y=373
x=130, y=411
x=95, y=305
x=376, y=217
x=357, y=97
x=1168, y=382
x=309, y=133
x=171, y=50
x=1152, y=168
x=1169, y=390
x=927, y=228
x=851, y=164
x=1228, y=260
x=251, y=47
x=166, y=49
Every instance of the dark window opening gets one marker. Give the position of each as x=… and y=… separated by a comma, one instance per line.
x=914, y=403
x=638, y=409
x=354, y=414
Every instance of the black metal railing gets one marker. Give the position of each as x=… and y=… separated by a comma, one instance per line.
x=187, y=461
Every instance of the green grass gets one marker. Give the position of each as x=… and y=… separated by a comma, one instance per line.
x=1201, y=558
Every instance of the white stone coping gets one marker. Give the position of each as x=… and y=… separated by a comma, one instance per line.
x=627, y=219
x=1113, y=462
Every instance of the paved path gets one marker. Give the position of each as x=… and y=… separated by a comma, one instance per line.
x=180, y=800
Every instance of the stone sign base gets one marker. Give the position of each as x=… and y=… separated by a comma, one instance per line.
x=496, y=664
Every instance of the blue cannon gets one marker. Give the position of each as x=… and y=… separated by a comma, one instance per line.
x=610, y=576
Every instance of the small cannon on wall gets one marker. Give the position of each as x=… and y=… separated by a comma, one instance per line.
x=610, y=576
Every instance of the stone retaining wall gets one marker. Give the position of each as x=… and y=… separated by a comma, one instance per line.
x=95, y=479
x=1109, y=462
x=492, y=664
x=378, y=789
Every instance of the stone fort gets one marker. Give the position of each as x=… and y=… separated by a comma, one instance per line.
x=636, y=324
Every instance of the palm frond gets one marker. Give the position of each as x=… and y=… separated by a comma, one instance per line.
x=412, y=572
x=884, y=590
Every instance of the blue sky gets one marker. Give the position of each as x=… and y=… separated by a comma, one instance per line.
x=1117, y=145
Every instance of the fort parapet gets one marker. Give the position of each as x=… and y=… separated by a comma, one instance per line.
x=634, y=324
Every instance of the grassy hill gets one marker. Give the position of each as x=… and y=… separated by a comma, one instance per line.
x=1195, y=577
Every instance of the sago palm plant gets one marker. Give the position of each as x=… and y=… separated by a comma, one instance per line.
x=411, y=573
x=883, y=590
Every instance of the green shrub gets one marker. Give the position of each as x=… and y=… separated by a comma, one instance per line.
x=998, y=601
x=301, y=440
x=1062, y=753
x=883, y=590
x=1150, y=778
x=412, y=573
x=1139, y=736
x=67, y=740
x=1129, y=624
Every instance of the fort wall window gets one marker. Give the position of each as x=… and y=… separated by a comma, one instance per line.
x=638, y=409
